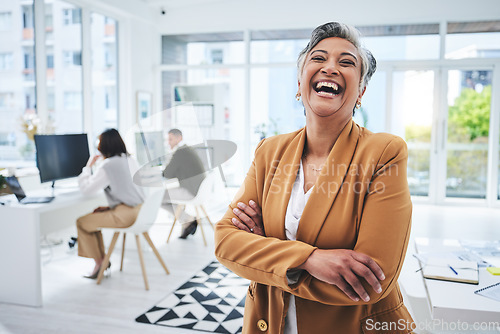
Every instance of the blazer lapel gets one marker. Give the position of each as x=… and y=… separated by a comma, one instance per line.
x=281, y=186
x=328, y=184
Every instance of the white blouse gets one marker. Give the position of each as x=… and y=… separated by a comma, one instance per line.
x=91, y=182
x=298, y=200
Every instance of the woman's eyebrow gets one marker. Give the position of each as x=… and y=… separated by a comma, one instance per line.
x=348, y=54
x=322, y=51
x=342, y=54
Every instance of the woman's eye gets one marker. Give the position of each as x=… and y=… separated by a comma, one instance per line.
x=318, y=58
x=347, y=62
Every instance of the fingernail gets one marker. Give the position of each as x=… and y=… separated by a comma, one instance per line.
x=383, y=276
x=251, y=202
x=366, y=298
x=379, y=290
x=241, y=205
x=234, y=220
x=356, y=299
x=236, y=210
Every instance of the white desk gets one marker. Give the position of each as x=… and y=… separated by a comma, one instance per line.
x=20, y=229
x=452, y=301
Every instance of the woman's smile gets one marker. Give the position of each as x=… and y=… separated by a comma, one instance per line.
x=327, y=88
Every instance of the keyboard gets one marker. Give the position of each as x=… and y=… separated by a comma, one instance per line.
x=34, y=200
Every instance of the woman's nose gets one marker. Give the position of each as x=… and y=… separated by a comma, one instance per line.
x=330, y=68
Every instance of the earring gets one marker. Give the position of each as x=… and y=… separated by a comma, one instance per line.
x=358, y=105
x=297, y=96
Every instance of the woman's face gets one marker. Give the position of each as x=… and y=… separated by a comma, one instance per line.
x=330, y=79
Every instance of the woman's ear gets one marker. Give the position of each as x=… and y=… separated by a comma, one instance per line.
x=361, y=93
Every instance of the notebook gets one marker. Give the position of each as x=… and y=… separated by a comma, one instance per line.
x=492, y=291
x=16, y=188
x=451, y=270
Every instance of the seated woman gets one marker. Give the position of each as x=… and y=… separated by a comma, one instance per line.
x=322, y=220
x=114, y=176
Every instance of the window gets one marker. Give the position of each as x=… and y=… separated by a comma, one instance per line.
x=277, y=46
x=217, y=56
x=28, y=16
x=104, y=73
x=72, y=100
x=5, y=21
x=72, y=58
x=72, y=16
x=402, y=42
x=64, y=80
x=6, y=100
x=196, y=49
x=473, y=40
x=50, y=61
x=5, y=61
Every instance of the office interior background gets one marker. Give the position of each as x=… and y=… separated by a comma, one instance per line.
x=220, y=69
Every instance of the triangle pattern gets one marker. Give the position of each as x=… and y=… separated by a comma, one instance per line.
x=211, y=301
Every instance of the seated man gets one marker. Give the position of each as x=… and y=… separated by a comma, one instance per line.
x=186, y=166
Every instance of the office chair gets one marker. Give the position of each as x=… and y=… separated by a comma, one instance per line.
x=204, y=193
x=145, y=219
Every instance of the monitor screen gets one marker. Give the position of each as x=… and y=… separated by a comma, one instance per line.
x=61, y=156
x=149, y=146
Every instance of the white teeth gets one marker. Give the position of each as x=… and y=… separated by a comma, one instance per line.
x=327, y=84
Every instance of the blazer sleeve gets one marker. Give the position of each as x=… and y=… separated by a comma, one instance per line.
x=261, y=259
x=383, y=232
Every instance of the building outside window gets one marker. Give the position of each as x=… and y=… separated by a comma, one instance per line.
x=62, y=80
x=5, y=21
x=6, y=61
x=72, y=16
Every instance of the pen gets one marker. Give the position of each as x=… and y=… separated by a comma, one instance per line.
x=453, y=270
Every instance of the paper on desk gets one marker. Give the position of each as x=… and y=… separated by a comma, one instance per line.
x=451, y=270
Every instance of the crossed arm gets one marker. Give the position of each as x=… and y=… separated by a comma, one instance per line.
x=340, y=267
x=332, y=276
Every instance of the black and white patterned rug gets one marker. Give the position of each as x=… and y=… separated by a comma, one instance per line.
x=213, y=301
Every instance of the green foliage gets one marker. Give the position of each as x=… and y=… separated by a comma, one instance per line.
x=470, y=115
x=3, y=185
x=418, y=133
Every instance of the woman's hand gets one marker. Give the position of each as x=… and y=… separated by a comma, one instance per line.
x=250, y=218
x=92, y=160
x=344, y=268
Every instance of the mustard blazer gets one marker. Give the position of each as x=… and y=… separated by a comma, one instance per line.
x=361, y=201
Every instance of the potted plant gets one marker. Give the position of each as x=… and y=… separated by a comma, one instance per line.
x=3, y=186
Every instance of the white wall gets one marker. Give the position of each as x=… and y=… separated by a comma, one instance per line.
x=231, y=15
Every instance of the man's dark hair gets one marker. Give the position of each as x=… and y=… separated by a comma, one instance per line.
x=175, y=132
x=111, y=144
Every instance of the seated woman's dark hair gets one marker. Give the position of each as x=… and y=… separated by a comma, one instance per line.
x=111, y=144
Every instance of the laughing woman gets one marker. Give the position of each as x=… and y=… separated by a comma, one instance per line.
x=321, y=224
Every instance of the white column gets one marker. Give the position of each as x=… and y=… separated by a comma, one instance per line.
x=87, y=72
x=40, y=63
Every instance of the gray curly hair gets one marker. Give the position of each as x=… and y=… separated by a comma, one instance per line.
x=349, y=33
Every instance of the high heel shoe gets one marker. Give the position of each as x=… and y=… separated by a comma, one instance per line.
x=96, y=273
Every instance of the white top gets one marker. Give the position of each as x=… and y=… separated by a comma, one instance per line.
x=298, y=200
x=90, y=183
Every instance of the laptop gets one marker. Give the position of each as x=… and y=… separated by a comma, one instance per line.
x=17, y=190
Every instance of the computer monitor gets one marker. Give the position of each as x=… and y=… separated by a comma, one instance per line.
x=61, y=156
x=149, y=146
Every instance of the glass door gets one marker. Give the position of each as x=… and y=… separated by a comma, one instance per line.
x=468, y=123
